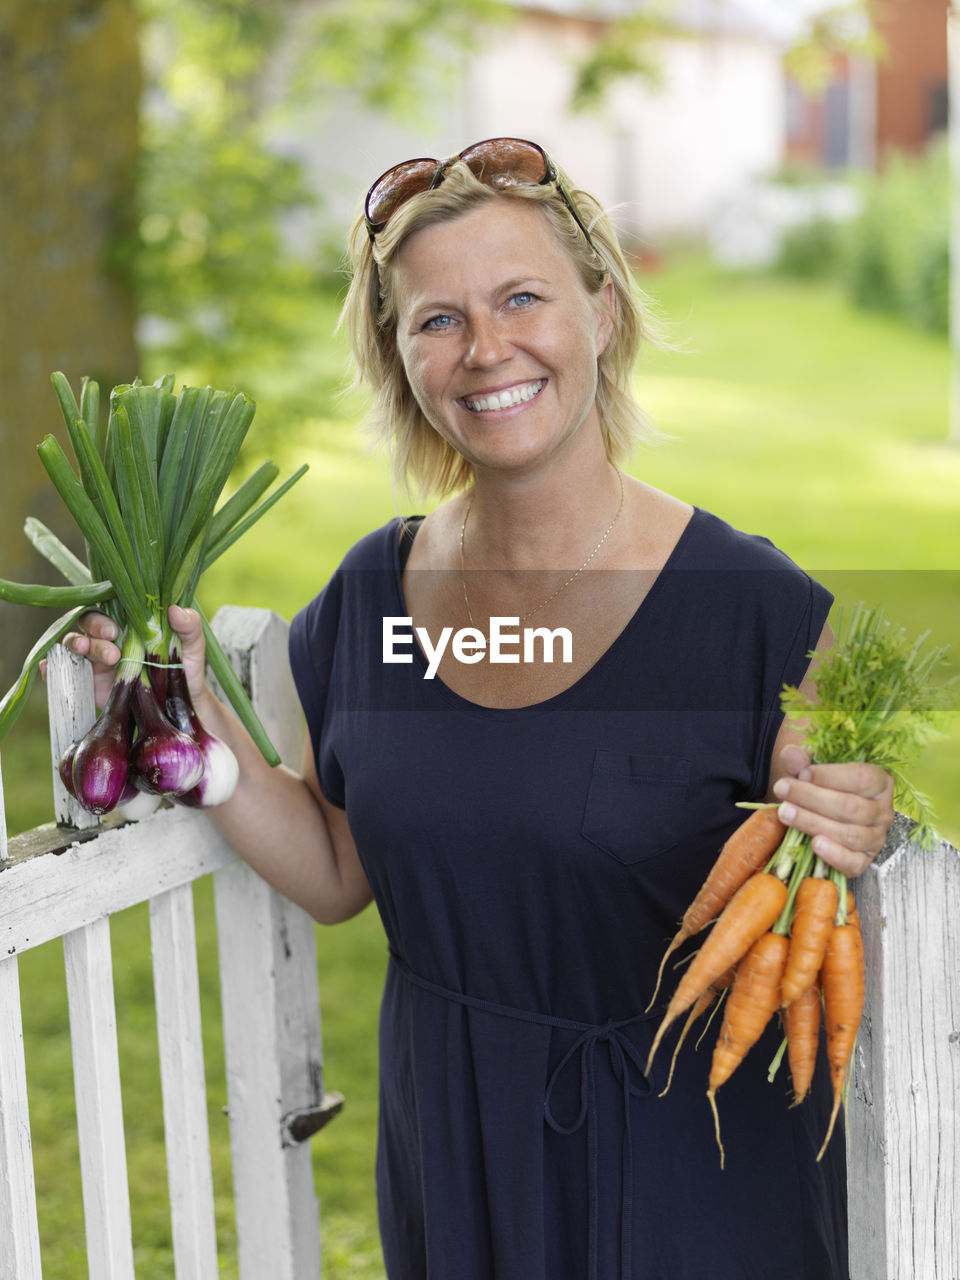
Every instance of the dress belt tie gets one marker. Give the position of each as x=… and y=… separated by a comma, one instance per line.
x=627, y=1065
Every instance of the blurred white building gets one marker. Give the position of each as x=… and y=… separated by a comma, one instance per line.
x=663, y=158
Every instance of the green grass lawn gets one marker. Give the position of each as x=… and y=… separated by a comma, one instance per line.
x=787, y=413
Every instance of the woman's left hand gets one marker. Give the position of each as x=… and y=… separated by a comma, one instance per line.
x=846, y=808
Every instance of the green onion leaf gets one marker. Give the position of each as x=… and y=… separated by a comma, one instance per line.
x=67, y=400
x=139, y=502
x=216, y=549
x=182, y=582
x=168, y=403
x=104, y=501
x=236, y=693
x=190, y=407
x=202, y=430
x=240, y=502
x=90, y=409
x=210, y=481
x=142, y=405
x=58, y=553
x=15, y=699
x=42, y=596
x=94, y=530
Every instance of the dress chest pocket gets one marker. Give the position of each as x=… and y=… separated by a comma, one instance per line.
x=634, y=804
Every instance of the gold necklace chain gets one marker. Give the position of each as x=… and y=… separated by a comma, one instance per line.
x=543, y=604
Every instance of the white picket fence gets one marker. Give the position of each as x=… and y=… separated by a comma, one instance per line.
x=61, y=883
x=903, y=1107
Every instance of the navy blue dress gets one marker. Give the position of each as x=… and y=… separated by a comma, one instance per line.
x=530, y=865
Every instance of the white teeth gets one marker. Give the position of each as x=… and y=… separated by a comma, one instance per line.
x=504, y=399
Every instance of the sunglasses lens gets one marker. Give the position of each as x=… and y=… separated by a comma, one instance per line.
x=505, y=162
x=497, y=162
x=395, y=187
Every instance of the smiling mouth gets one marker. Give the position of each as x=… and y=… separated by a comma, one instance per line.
x=504, y=399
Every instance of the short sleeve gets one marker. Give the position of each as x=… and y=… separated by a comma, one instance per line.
x=810, y=607
x=312, y=649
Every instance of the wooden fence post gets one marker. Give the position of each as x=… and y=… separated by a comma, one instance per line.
x=903, y=1113
x=268, y=961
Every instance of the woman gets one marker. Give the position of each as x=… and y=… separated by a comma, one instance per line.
x=532, y=829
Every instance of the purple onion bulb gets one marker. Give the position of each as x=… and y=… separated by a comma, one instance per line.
x=65, y=767
x=101, y=760
x=165, y=760
x=220, y=768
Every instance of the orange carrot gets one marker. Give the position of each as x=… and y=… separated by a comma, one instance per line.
x=700, y=1005
x=816, y=905
x=749, y=913
x=801, y=1021
x=747, y=850
x=752, y=1002
x=853, y=916
x=843, y=995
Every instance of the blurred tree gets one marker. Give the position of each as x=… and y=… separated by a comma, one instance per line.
x=69, y=85
x=626, y=49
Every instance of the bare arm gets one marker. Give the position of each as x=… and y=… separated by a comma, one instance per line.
x=277, y=820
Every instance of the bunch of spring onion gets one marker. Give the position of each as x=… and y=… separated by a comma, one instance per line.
x=144, y=496
x=785, y=934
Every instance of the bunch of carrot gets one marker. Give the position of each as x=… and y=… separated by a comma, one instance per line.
x=786, y=935
x=768, y=954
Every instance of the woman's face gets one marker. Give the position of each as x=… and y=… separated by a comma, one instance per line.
x=498, y=336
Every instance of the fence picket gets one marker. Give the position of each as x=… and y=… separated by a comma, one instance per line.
x=19, y=1234
x=71, y=713
x=278, y=1231
x=96, y=1076
x=177, y=987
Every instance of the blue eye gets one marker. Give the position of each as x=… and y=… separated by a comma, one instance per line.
x=522, y=299
x=438, y=322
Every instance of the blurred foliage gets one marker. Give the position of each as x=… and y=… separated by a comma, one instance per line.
x=390, y=53
x=828, y=33
x=811, y=250
x=626, y=49
x=895, y=255
x=897, y=252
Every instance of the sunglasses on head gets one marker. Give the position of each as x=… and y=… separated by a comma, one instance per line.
x=497, y=162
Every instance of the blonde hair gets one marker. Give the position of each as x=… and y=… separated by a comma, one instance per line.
x=369, y=315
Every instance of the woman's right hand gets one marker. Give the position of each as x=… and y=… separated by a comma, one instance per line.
x=186, y=623
x=97, y=639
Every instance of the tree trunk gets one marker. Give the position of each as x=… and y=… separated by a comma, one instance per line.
x=69, y=90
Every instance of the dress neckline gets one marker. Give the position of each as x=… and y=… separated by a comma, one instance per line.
x=572, y=692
